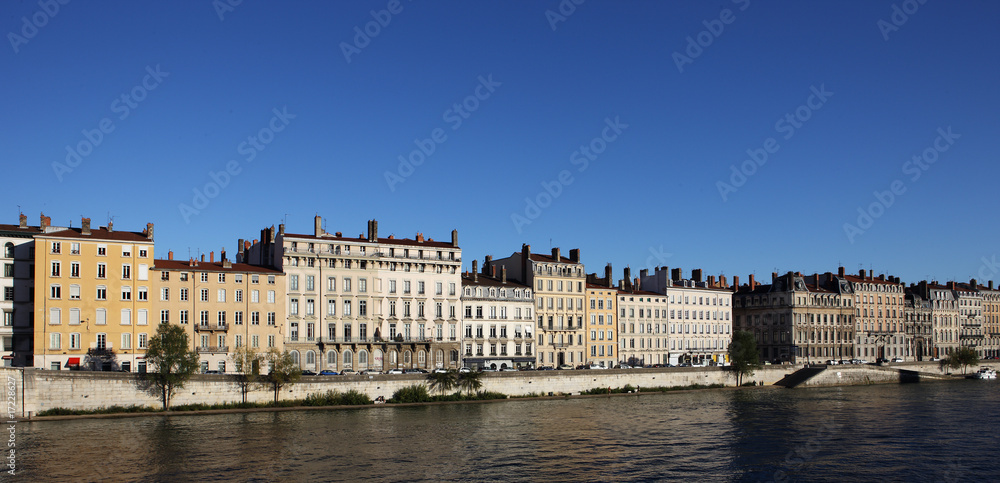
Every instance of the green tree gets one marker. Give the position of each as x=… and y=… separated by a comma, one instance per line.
x=470, y=381
x=743, y=355
x=284, y=370
x=963, y=357
x=248, y=362
x=443, y=381
x=174, y=362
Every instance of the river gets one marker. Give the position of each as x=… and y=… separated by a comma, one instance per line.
x=916, y=432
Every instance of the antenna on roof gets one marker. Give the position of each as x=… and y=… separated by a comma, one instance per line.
x=19, y=210
x=284, y=221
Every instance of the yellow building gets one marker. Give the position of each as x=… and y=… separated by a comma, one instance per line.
x=221, y=305
x=91, y=297
x=601, y=330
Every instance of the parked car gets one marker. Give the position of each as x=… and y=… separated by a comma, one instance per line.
x=595, y=367
x=414, y=371
x=328, y=372
x=565, y=367
x=897, y=359
x=370, y=372
x=832, y=362
x=509, y=369
x=394, y=371
x=487, y=369
x=464, y=370
x=212, y=372
x=544, y=368
x=308, y=373
x=440, y=371
x=349, y=373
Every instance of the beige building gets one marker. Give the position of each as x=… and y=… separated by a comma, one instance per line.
x=600, y=325
x=991, y=320
x=558, y=283
x=643, y=323
x=366, y=303
x=879, y=304
x=945, y=316
x=700, y=316
x=222, y=306
x=497, y=320
x=92, y=297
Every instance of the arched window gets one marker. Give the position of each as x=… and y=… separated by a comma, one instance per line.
x=377, y=360
x=295, y=357
x=407, y=357
x=8, y=250
x=331, y=358
x=422, y=358
x=454, y=356
x=310, y=358
x=362, y=359
x=348, y=359
x=440, y=357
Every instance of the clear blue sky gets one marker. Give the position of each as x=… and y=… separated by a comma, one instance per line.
x=653, y=189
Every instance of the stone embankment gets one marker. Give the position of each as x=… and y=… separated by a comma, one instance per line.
x=30, y=391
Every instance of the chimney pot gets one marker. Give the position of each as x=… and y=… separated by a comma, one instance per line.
x=503, y=274
x=676, y=274
x=840, y=271
x=696, y=274
x=211, y=257
x=203, y=257
x=475, y=270
x=318, y=225
x=454, y=238
x=22, y=220
x=45, y=222
x=555, y=254
x=753, y=282
x=574, y=255
x=170, y=255
x=85, y=226
x=149, y=231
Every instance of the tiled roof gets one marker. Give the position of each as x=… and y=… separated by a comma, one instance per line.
x=330, y=237
x=538, y=257
x=488, y=281
x=186, y=265
x=17, y=228
x=857, y=279
x=98, y=234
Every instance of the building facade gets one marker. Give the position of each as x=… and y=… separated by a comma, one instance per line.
x=18, y=284
x=366, y=303
x=991, y=320
x=222, y=306
x=600, y=325
x=92, y=303
x=879, y=316
x=918, y=325
x=497, y=320
x=558, y=284
x=944, y=316
x=970, y=315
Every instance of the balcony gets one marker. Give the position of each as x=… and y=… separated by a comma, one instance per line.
x=212, y=349
x=211, y=327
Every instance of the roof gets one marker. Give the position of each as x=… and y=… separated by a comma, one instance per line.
x=642, y=293
x=596, y=286
x=186, y=265
x=759, y=289
x=857, y=279
x=818, y=289
x=29, y=230
x=538, y=257
x=486, y=280
x=680, y=284
x=98, y=234
x=328, y=237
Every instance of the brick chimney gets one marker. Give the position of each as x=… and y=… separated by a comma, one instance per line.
x=170, y=255
x=202, y=257
x=881, y=277
x=696, y=275
x=555, y=254
x=493, y=271
x=318, y=225
x=607, y=276
x=85, y=226
x=23, y=221
x=149, y=231
x=525, y=260
x=753, y=282
x=628, y=279
x=222, y=254
x=503, y=274
x=973, y=284
x=676, y=274
x=111, y=227
x=574, y=255
x=281, y=229
x=951, y=285
x=475, y=270
x=454, y=238
x=420, y=237
x=711, y=280
x=736, y=282
x=211, y=257
x=774, y=277
x=840, y=272
x=44, y=222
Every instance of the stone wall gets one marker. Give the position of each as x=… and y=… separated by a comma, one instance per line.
x=38, y=390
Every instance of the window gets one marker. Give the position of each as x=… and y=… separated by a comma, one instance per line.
x=55, y=269
x=126, y=317
x=143, y=294
x=102, y=270
x=55, y=341
x=74, y=269
x=310, y=283
x=204, y=295
x=222, y=295
x=56, y=247
x=126, y=272
x=8, y=250
x=293, y=307
x=102, y=250
x=204, y=276
x=270, y=296
x=184, y=295
x=222, y=278
x=126, y=341
x=293, y=282
x=347, y=284
x=55, y=292
x=126, y=292
x=74, y=292
x=362, y=285
x=102, y=341
x=101, y=316
x=271, y=321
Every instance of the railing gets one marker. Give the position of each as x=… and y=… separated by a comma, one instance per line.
x=212, y=348
x=211, y=327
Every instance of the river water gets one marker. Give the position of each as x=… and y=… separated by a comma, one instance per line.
x=915, y=432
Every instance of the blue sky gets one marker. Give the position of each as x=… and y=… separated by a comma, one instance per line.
x=652, y=196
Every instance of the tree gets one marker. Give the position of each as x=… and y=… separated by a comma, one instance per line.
x=169, y=352
x=247, y=361
x=743, y=355
x=443, y=381
x=284, y=371
x=963, y=357
x=470, y=381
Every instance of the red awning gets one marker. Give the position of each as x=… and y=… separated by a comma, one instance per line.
x=73, y=361
x=7, y=358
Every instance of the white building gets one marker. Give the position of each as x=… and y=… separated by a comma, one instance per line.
x=700, y=315
x=497, y=320
x=17, y=284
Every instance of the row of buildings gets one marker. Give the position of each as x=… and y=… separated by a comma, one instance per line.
x=91, y=297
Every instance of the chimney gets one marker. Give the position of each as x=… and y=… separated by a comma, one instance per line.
x=111, y=226
x=696, y=275
x=555, y=254
x=951, y=285
x=454, y=238
x=637, y=283
x=493, y=271
x=991, y=285
x=318, y=225
x=373, y=231
x=149, y=231
x=202, y=257
x=211, y=257
x=736, y=282
x=774, y=277
x=475, y=270
x=871, y=275
x=753, y=283
x=644, y=273
x=881, y=277
x=525, y=258
x=420, y=237
x=840, y=272
x=503, y=274
x=45, y=222
x=607, y=275
x=973, y=284
x=281, y=229
x=676, y=274
x=192, y=263
x=628, y=279
x=488, y=260
x=170, y=255
x=222, y=255
x=85, y=226
x=574, y=255
x=23, y=220
x=711, y=280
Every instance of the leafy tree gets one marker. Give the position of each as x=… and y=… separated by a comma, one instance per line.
x=284, y=371
x=443, y=381
x=743, y=355
x=411, y=394
x=169, y=352
x=248, y=362
x=470, y=381
x=963, y=357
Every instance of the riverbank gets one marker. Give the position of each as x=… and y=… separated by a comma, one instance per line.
x=38, y=390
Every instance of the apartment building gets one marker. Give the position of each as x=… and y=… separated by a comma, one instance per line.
x=918, y=325
x=945, y=315
x=17, y=283
x=92, y=299
x=600, y=325
x=221, y=305
x=497, y=320
x=991, y=320
x=366, y=303
x=642, y=324
x=879, y=316
x=970, y=315
x=558, y=284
